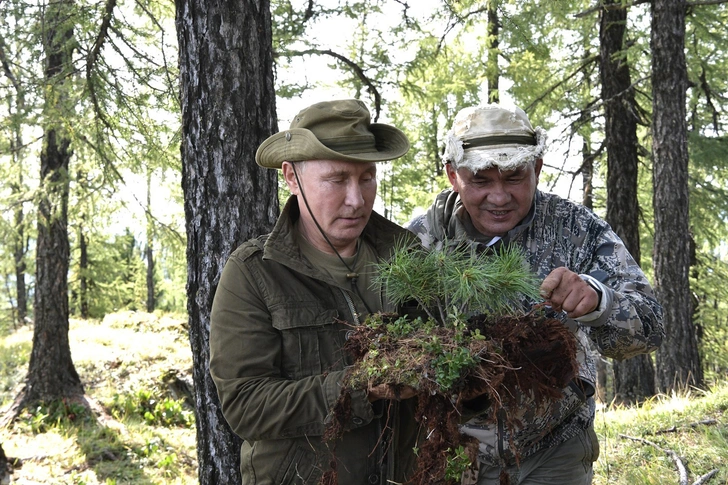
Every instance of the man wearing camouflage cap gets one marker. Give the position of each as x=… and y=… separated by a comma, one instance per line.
x=493, y=158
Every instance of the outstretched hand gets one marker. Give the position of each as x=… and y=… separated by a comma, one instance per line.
x=565, y=290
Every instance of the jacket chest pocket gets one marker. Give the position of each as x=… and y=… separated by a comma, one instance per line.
x=311, y=340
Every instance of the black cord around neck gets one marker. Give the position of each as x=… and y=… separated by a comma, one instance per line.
x=351, y=275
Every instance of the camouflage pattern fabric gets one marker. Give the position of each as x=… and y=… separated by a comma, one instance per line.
x=557, y=232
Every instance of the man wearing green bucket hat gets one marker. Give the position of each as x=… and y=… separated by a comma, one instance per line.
x=284, y=302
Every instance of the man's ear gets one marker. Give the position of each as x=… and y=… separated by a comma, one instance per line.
x=290, y=177
x=537, y=167
x=452, y=175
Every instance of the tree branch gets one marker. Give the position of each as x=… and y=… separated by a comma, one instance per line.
x=6, y=66
x=94, y=54
x=706, y=477
x=355, y=68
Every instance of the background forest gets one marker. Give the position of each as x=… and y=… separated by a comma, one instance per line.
x=102, y=113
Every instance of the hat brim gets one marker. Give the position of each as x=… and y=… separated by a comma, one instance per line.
x=299, y=144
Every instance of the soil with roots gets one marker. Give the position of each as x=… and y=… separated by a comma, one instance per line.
x=532, y=353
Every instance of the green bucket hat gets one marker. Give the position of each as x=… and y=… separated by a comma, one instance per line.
x=333, y=130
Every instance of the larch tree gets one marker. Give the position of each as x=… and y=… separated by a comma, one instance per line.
x=634, y=379
x=678, y=361
x=228, y=109
x=51, y=373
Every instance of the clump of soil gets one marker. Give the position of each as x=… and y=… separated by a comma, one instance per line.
x=481, y=365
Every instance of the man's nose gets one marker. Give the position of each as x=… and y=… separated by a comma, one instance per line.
x=354, y=196
x=498, y=194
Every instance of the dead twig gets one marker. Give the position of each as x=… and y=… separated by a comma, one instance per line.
x=681, y=469
x=702, y=422
x=706, y=477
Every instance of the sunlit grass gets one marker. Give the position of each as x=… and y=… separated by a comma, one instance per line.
x=146, y=434
x=122, y=362
x=691, y=424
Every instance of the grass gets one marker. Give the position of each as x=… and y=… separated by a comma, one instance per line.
x=146, y=433
x=637, y=443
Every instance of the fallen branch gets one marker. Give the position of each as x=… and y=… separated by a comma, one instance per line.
x=682, y=470
x=706, y=477
x=702, y=422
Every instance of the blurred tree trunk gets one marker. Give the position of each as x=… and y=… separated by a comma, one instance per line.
x=228, y=109
x=51, y=373
x=678, y=360
x=19, y=251
x=148, y=250
x=493, y=41
x=83, y=272
x=587, y=177
x=634, y=379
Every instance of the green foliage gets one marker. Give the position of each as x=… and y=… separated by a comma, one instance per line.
x=458, y=463
x=155, y=410
x=455, y=280
x=55, y=413
x=450, y=365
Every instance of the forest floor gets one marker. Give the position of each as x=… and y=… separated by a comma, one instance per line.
x=137, y=368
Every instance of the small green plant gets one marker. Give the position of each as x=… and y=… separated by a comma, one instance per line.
x=450, y=366
x=54, y=413
x=155, y=410
x=458, y=462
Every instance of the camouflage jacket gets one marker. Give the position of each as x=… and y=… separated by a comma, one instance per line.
x=555, y=233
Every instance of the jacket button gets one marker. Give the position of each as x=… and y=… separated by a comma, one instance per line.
x=357, y=420
x=373, y=478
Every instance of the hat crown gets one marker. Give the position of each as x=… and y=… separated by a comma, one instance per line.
x=486, y=136
x=341, y=125
x=333, y=130
x=491, y=121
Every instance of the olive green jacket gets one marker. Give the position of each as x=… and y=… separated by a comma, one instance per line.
x=277, y=331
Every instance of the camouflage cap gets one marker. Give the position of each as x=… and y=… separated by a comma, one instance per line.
x=491, y=135
x=333, y=130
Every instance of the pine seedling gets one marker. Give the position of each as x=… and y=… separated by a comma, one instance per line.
x=453, y=280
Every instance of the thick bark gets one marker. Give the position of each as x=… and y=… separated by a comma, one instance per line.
x=633, y=378
x=228, y=109
x=51, y=373
x=678, y=361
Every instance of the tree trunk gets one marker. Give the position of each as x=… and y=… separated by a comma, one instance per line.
x=493, y=42
x=633, y=378
x=83, y=271
x=19, y=250
x=228, y=109
x=4, y=466
x=587, y=178
x=51, y=373
x=148, y=251
x=678, y=361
